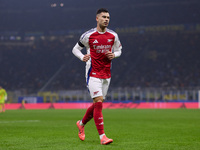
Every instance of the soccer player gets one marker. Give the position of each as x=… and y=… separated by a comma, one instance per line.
x=3, y=98
x=102, y=46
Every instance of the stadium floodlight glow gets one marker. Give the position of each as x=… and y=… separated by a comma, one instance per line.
x=61, y=4
x=53, y=5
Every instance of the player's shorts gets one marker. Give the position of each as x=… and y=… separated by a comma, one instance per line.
x=98, y=87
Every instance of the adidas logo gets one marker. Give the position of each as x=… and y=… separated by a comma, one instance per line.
x=95, y=41
x=110, y=40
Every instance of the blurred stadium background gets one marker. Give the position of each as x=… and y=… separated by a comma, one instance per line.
x=160, y=38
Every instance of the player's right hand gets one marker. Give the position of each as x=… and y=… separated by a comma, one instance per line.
x=86, y=57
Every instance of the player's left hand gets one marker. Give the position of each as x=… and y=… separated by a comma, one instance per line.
x=110, y=55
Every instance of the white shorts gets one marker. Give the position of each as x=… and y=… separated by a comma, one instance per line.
x=98, y=87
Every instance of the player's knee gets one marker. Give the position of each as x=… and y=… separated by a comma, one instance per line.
x=98, y=99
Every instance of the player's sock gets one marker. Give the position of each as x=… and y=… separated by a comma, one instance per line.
x=98, y=117
x=81, y=123
x=101, y=136
x=88, y=115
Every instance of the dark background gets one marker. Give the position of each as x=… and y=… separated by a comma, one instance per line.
x=37, y=36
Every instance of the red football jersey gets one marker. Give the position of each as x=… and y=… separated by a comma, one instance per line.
x=97, y=44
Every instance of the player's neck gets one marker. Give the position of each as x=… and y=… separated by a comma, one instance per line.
x=101, y=29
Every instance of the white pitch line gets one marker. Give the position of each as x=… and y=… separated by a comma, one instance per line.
x=19, y=121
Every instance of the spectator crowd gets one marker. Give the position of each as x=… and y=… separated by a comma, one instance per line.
x=155, y=59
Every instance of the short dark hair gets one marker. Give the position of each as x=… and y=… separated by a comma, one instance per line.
x=102, y=10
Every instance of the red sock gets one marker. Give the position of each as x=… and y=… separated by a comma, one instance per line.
x=98, y=117
x=88, y=115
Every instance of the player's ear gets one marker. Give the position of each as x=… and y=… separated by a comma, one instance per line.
x=97, y=17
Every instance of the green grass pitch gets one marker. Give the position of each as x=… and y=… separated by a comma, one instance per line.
x=134, y=129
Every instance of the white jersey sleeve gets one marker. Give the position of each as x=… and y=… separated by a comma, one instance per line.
x=77, y=51
x=84, y=39
x=117, y=47
x=83, y=42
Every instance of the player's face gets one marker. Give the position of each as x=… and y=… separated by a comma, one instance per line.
x=103, y=19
